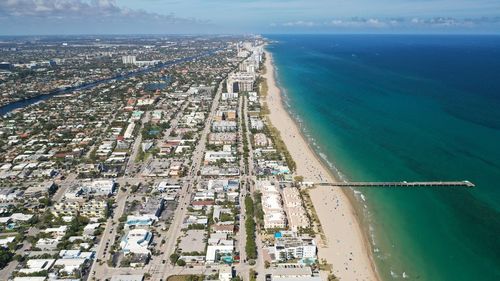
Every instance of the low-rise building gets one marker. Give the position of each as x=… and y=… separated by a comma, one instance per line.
x=224, y=126
x=295, y=211
x=57, y=231
x=261, y=140
x=152, y=207
x=10, y=194
x=223, y=227
x=204, y=195
x=136, y=241
x=256, y=124
x=214, y=156
x=225, y=273
x=274, y=215
x=47, y=244
x=214, y=253
x=99, y=187
x=39, y=190
x=140, y=220
x=293, y=247
x=274, y=219
x=131, y=277
x=5, y=241
x=293, y=273
x=222, y=138
x=30, y=278
x=229, y=96
x=37, y=265
x=70, y=266
x=94, y=208
x=166, y=186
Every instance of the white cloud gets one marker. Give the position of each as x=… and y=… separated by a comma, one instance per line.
x=300, y=23
x=101, y=10
x=381, y=23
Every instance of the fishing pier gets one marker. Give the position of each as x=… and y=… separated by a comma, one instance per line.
x=401, y=184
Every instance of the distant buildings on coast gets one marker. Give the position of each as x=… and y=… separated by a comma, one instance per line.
x=134, y=61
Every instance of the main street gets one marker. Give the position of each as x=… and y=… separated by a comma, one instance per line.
x=165, y=270
x=241, y=237
x=248, y=188
x=136, y=146
x=100, y=268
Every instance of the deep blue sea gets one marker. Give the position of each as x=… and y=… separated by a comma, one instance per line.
x=408, y=107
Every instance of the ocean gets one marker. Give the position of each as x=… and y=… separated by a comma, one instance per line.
x=414, y=108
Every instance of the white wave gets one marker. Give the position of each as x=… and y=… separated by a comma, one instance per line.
x=367, y=216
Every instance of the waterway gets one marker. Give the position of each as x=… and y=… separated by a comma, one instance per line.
x=119, y=77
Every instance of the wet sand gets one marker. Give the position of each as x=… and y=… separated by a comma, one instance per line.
x=345, y=248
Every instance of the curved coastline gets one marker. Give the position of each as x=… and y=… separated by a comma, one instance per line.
x=327, y=170
x=356, y=197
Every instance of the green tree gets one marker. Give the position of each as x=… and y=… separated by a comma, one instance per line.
x=181, y=262
x=5, y=257
x=173, y=258
x=299, y=178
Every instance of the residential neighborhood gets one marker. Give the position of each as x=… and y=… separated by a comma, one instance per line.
x=174, y=171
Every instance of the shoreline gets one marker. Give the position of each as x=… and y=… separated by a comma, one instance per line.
x=338, y=216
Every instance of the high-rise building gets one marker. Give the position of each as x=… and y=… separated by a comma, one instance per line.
x=6, y=66
x=240, y=82
x=128, y=59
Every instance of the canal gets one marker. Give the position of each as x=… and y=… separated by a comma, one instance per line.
x=6, y=109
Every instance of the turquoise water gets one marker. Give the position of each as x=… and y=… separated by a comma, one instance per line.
x=390, y=108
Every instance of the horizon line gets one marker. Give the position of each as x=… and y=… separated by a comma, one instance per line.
x=262, y=34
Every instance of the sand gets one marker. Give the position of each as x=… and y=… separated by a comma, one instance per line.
x=345, y=247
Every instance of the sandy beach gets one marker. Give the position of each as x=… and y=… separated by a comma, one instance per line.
x=346, y=248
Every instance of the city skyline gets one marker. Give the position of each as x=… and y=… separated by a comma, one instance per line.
x=44, y=17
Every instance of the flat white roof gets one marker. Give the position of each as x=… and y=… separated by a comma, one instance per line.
x=212, y=250
x=136, y=277
x=29, y=279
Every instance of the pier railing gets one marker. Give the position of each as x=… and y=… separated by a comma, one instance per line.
x=400, y=184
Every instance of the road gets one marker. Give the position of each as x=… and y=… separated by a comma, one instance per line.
x=98, y=271
x=98, y=138
x=63, y=186
x=242, y=232
x=137, y=145
x=175, y=121
x=156, y=268
x=6, y=272
x=249, y=138
x=175, y=228
x=248, y=181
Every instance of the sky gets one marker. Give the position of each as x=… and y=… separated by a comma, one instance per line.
x=40, y=17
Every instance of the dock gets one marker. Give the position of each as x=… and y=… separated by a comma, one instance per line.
x=402, y=184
